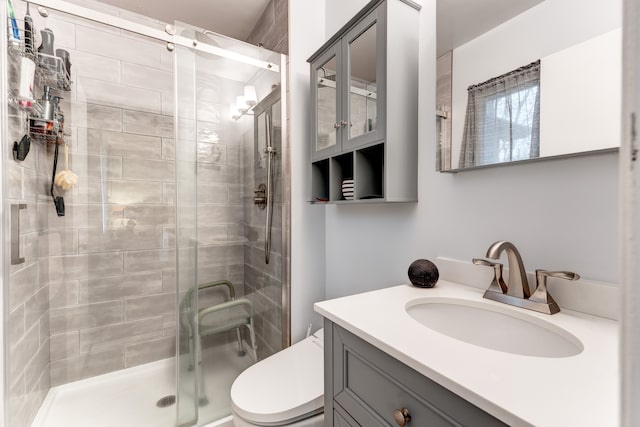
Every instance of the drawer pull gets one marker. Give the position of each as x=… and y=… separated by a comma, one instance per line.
x=402, y=416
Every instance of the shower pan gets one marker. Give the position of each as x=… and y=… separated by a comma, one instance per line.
x=94, y=302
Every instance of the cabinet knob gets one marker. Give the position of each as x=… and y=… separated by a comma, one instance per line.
x=343, y=123
x=336, y=125
x=402, y=416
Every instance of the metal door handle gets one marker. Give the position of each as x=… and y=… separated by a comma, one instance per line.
x=15, y=233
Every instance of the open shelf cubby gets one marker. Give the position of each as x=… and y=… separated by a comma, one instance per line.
x=320, y=181
x=369, y=168
x=341, y=169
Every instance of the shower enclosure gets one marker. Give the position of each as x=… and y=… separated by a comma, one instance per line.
x=100, y=306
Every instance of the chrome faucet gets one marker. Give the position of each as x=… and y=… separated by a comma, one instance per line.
x=516, y=290
x=517, y=285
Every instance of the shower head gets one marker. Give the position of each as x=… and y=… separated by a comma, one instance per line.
x=208, y=37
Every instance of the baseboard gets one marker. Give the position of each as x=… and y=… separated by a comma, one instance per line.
x=224, y=422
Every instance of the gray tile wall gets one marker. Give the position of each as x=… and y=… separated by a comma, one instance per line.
x=220, y=212
x=106, y=267
x=263, y=282
x=109, y=308
x=112, y=257
x=272, y=29
x=28, y=293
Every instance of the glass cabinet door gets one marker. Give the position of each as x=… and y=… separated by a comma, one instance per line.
x=328, y=124
x=362, y=94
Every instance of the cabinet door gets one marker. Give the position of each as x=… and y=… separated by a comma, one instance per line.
x=363, y=50
x=326, y=82
x=370, y=386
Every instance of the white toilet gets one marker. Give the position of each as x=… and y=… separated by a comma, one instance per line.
x=286, y=389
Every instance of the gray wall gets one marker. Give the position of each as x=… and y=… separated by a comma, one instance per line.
x=28, y=293
x=264, y=282
x=308, y=241
x=561, y=214
x=112, y=260
x=272, y=29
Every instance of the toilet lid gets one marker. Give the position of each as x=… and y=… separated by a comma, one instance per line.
x=285, y=387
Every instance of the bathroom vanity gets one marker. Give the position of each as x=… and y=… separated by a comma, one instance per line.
x=361, y=379
x=384, y=367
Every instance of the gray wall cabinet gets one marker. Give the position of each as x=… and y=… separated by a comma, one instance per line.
x=365, y=387
x=364, y=108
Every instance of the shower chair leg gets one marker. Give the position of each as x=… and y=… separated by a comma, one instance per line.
x=199, y=370
x=241, y=351
x=252, y=337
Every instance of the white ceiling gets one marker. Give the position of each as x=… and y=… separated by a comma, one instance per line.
x=233, y=18
x=460, y=21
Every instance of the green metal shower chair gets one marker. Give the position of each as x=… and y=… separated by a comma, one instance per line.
x=215, y=319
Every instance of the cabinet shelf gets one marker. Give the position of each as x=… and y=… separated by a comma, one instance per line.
x=370, y=172
x=320, y=181
x=341, y=169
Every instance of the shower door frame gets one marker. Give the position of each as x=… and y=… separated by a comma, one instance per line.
x=143, y=30
x=171, y=39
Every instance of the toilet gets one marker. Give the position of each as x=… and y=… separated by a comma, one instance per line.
x=285, y=389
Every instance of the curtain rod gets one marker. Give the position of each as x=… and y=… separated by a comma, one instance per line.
x=505, y=75
x=115, y=21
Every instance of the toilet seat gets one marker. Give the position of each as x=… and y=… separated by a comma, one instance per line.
x=283, y=388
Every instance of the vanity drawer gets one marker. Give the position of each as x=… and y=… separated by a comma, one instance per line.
x=342, y=419
x=370, y=385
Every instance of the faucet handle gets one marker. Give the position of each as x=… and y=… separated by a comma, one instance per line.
x=497, y=284
x=541, y=294
x=480, y=261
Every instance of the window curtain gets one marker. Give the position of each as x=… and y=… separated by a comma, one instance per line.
x=502, y=122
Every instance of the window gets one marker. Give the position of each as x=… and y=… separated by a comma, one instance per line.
x=503, y=119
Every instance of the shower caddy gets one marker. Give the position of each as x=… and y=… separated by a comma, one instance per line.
x=50, y=71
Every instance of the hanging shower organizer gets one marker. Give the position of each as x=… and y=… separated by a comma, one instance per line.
x=49, y=71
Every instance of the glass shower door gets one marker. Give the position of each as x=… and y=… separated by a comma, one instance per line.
x=186, y=226
x=228, y=296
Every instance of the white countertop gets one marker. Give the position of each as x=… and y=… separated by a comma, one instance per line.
x=581, y=390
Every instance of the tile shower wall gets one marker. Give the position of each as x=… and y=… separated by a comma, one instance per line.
x=28, y=302
x=272, y=29
x=97, y=292
x=220, y=216
x=263, y=282
x=112, y=257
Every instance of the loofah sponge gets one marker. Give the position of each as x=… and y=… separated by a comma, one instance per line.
x=66, y=179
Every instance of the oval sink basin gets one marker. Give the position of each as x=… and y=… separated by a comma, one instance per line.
x=487, y=326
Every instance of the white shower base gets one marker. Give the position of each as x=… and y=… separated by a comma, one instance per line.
x=127, y=398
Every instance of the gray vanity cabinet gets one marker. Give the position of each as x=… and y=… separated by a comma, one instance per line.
x=366, y=387
x=364, y=107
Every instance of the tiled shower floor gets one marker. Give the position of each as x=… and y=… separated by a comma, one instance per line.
x=128, y=398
